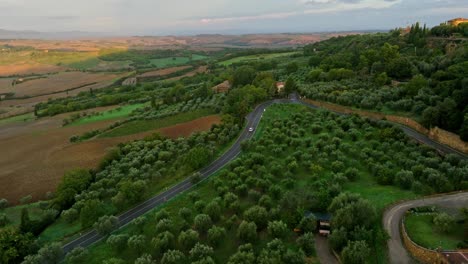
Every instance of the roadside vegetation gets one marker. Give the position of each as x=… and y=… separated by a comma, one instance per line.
x=415, y=73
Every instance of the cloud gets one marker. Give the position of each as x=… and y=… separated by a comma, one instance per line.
x=62, y=17
x=326, y=6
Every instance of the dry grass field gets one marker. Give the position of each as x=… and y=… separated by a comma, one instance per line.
x=55, y=86
x=201, y=69
x=162, y=72
x=38, y=153
x=29, y=69
x=56, y=83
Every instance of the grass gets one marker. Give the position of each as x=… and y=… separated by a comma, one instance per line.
x=97, y=64
x=138, y=126
x=255, y=57
x=14, y=213
x=61, y=57
x=174, y=61
x=380, y=196
x=423, y=232
x=120, y=112
x=17, y=119
x=59, y=230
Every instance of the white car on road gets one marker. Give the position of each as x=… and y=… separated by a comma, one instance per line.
x=251, y=129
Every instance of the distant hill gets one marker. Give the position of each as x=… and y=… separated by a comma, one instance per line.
x=30, y=34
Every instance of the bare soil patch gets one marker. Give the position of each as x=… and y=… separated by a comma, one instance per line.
x=20, y=106
x=188, y=128
x=29, y=69
x=162, y=72
x=56, y=83
x=201, y=69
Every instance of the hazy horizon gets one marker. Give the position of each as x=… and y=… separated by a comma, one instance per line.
x=182, y=17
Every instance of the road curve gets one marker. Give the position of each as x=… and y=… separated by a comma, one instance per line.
x=393, y=216
x=253, y=119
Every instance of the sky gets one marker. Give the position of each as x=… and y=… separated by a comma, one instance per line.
x=163, y=17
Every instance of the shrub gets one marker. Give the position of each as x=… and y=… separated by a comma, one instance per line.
x=356, y=252
x=77, y=255
x=307, y=243
x=106, y=224
x=443, y=222
x=202, y=223
x=247, y=231
x=187, y=239
x=3, y=203
x=118, y=242
x=277, y=229
x=216, y=235
x=70, y=215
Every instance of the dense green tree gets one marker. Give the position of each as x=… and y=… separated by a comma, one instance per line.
x=14, y=245
x=187, y=239
x=290, y=86
x=258, y=215
x=201, y=251
x=145, y=259
x=77, y=256
x=202, y=223
x=173, y=257
x=136, y=243
x=3, y=203
x=307, y=243
x=247, y=231
x=163, y=242
x=216, y=235
x=244, y=255
x=50, y=253
x=291, y=68
x=91, y=211
x=277, y=229
x=243, y=76
x=443, y=222
x=356, y=252
x=308, y=224
x=118, y=242
x=213, y=209
x=198, y=157
x=73, y=182
x=106, y=224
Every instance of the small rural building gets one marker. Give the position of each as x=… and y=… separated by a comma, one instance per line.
x=222, y=87
x=280, y=86
x=457, y=21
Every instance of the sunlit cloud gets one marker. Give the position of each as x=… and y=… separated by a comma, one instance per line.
x=325, y=6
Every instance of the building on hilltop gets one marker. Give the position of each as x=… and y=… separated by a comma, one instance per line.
x=457, y=21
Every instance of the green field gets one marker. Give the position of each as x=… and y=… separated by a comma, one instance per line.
x=13, y=213
x=139, y=126
x=17, y=119
x=61, y=57
x=97, y=64
x=423, y=232
x=381, y=196
x=120, y=112
x=174, y=61
x=255, y=57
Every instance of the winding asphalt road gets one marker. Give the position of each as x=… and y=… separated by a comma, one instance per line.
x=253, y=120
